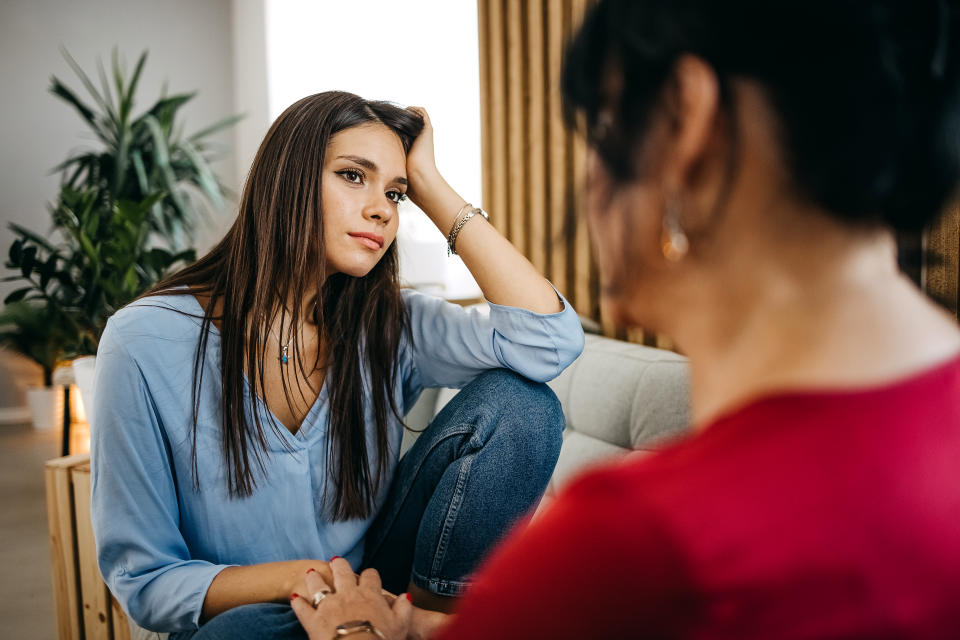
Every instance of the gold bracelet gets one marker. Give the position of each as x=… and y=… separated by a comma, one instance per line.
x=357, y=626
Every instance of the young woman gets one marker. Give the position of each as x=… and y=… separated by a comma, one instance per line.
x=250, y=413
x=750, y=163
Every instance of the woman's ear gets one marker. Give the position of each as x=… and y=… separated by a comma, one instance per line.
x=693, y=101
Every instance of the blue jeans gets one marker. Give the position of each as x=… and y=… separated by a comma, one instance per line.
x=477, y=469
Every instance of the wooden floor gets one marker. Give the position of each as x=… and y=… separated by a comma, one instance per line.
x=26, y=606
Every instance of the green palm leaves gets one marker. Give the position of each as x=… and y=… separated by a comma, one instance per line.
x=124, y=216
x=145, y=154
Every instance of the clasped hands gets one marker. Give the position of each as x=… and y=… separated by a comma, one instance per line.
x=352, y=598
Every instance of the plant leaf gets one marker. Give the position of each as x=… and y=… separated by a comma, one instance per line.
x=59, y=89
x=137, y=158
x=81, y=160
x=127, y=105
x=47, y=270
x=158, y=259
x=116, y=67
x=92, y=225
x=160, y=152
x=17, y=295
x=31, y=236
x=164, y=108
x=217, y=126
x=66, y=280
x=16, y=252
x=151, y=200
x=109, y=106
x=88, y=248
x=131, y=280
x=84, y=78
x=187, y=255
x=28, y=261
x=162, y=158
x=121, y=158
x=208, y=182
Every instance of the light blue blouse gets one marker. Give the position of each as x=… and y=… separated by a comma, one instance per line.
x=160, y=541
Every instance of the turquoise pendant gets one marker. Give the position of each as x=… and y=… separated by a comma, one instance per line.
x=284, y=358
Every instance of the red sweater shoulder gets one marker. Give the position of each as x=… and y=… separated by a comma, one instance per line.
x=806, y=514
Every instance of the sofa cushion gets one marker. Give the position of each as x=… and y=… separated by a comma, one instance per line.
x=625, y=394
x=619, y=397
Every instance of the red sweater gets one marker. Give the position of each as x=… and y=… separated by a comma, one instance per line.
x=802, y=515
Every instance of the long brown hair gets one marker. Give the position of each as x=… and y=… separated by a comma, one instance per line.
x=274, y=254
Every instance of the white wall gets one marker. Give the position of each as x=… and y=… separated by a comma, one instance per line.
x=191, y=47
x=250, y=93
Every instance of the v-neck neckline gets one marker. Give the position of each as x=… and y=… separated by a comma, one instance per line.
x=309, y=422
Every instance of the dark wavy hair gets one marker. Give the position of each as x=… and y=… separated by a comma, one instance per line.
x=274, y=253
x=867, y=94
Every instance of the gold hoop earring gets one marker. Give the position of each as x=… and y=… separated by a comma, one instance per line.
x=673, y=241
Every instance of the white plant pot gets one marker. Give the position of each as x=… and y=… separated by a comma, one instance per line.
x=83, y=369
x=46, y=407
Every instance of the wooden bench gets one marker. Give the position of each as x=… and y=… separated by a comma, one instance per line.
x=85, y=608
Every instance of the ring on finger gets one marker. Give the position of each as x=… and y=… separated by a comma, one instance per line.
x=319, y=596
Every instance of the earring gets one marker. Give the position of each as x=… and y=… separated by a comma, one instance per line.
x=673, y=241
x=603, y=126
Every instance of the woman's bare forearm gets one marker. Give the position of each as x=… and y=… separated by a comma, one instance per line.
x=505, y=276
x=267, y=582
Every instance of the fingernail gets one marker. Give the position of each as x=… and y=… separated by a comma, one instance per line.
x=293, y=596
x=409, y=597
x=311, y=569
x=334, y=558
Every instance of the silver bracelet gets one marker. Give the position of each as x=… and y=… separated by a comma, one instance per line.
x=465, y=208
x=457, y=223
x=452, y=238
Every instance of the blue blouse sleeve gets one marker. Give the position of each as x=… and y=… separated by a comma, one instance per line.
x=452, y=345
x=140, y=550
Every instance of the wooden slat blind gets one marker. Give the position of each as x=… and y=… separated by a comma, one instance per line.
x=533, y=168
x=559, y=151
x=942, y=263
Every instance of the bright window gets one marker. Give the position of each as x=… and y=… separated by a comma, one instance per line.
x=415, y=52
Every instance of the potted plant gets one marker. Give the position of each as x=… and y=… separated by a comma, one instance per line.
x=124, y=214
x=38, y=331
x=144, y=154
x=103, y=263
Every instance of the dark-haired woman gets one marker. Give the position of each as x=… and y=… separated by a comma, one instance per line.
x=750, y=162
x=248, y=420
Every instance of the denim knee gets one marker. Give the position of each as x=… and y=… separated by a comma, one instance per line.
x=483, y=462
x=512, y=392
x=529, y=410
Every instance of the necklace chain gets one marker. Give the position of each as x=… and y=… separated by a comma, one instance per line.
x=284, y=357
